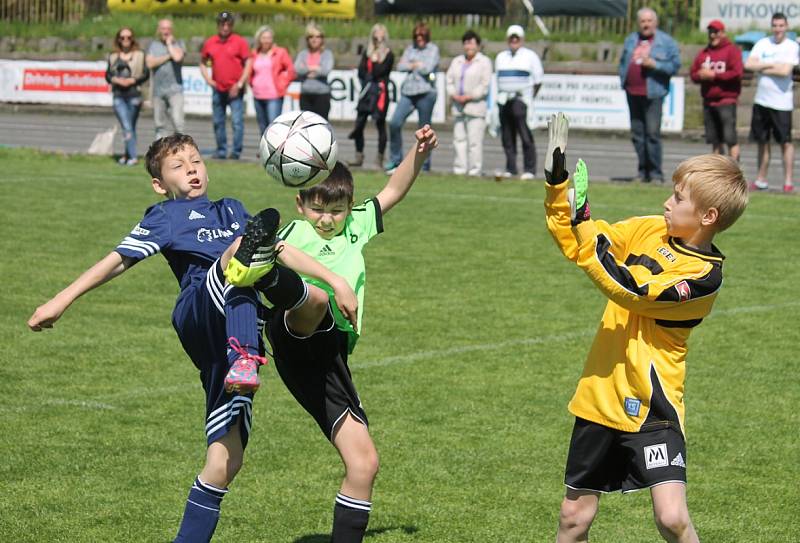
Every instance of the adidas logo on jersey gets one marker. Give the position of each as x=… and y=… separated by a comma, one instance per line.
x=678, y=461
x=194, y=215
x=326, y=251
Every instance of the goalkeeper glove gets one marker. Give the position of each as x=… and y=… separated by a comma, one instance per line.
x=578, y=201
x=555, y=161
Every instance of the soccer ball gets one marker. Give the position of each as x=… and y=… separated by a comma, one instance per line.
x=298, y=149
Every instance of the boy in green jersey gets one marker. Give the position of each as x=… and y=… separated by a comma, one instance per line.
x=334, y=231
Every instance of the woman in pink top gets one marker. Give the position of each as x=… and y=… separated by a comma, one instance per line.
x=271, y=72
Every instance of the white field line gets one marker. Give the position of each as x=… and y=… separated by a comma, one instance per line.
x=408, y=358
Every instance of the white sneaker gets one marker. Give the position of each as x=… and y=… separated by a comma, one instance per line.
x=500, y=174
x=758, y=184
x=527, y=176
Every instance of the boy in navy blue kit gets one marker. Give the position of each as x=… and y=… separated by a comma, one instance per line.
x=217, y=323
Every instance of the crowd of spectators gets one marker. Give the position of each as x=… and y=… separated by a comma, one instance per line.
x=498, y=99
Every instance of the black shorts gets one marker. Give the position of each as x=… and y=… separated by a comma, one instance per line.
x=766, y=120
x=605, y=460
x=720, y=123
x=315, y=371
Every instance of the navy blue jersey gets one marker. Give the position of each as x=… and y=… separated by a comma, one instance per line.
x=191, y=234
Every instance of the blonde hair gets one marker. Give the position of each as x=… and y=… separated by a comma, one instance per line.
x=313, y=28
x=261, y=30
x=714, y=181
x=383, y=46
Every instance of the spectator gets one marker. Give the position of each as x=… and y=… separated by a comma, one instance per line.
x=718, y=69
x=313, y=64
x=373, y=101
x=773, y=59
x=418, y=91
x=649, y=58
x=165, y=58
x=519, y=78
x=229, y=56
x=468, y=80
x=126, y=71
x=271, y=71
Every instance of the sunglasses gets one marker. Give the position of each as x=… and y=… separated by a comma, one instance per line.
x=125, y=38
x=713, y=31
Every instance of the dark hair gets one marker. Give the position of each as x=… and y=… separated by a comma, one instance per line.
x=471, y=35
x=337, y=187
x=421, y=29
x=134, y=43
x=162, y=148
x=779, y=16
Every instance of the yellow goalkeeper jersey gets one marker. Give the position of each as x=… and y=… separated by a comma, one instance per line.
x=658, y=290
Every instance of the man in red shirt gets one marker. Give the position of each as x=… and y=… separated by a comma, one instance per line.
x=718, y=68
x=229, y=56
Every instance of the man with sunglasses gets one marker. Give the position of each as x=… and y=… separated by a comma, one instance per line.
x=229, y=56
x=718, y=69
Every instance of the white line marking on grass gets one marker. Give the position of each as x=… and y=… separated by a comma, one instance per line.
x=436, y=353
x=78, y=403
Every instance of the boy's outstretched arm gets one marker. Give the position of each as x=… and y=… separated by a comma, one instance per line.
x=106, y=269
x=406, y=173
x=345, y=298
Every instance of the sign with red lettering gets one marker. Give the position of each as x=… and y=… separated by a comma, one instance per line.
x=35, y=79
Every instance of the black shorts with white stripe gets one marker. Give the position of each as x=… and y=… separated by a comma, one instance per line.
x=315, y=371
x=603, y=459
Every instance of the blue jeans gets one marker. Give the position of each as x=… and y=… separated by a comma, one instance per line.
x=423, y=103
x=646, y=134
x=219, y=102
x=127, y=111
x=266, y=111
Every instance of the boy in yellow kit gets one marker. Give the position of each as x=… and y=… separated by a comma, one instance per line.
x=661, y=275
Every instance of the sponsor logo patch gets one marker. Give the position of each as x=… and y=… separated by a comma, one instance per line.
x=684, y=292
x=139, y=231
x=678, y=461
x=204, y=234
x=663, y=251
x=655, y=456
x=632, y=406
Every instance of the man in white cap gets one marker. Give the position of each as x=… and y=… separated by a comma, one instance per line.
x=519, y=77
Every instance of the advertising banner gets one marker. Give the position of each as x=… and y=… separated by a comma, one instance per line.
x=594, y=102
x=345, y=9
x=747, y=14
x=597, y=102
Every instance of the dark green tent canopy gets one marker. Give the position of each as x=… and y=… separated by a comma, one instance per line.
x=600, y=8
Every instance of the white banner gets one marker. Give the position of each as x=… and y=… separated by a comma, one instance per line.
x=747, y=14
x=594, y=102
x=598, y=102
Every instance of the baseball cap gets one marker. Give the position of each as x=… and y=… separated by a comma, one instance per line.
x=225, y=17
x=716, y=24
x=515, y=30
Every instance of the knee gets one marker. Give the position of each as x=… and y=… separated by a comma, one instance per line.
x=673, y=521
x=221, y=472
x=363, y=468
x=575, y=517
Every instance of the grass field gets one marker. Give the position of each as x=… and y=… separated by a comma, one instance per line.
x=475, y=334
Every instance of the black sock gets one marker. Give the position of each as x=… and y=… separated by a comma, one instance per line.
x=350, y=519
x=283, y=288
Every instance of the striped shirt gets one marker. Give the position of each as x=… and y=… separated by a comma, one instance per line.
x=518, y=72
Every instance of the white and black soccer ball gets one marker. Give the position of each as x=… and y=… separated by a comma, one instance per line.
x=298, y=149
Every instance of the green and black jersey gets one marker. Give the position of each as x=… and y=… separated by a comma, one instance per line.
x=342, y=255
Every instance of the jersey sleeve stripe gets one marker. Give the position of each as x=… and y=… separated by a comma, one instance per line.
x=619, y=273
x=378, y=215
x=152, y=244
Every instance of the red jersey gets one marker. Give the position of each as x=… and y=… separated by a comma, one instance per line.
x=227, y=57
x=635, y=82
x=726, y=61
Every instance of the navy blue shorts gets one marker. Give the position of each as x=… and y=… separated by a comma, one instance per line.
x=199, y=319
